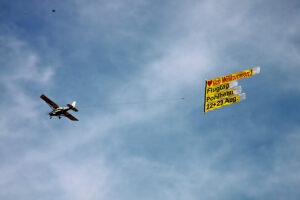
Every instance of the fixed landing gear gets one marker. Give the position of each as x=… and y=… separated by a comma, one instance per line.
x=59, y=117
x=50, y=117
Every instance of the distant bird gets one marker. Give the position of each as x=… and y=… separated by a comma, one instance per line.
x=53, y=10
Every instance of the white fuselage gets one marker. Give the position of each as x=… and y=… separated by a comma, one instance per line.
x=59, y=111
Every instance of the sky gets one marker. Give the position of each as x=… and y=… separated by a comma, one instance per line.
x=128, y=64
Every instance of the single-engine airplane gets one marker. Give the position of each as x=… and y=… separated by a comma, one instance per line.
x=58, y=111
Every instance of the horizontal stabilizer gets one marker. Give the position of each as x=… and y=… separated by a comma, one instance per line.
x=72, y=108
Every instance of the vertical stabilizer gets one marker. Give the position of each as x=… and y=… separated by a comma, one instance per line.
x=73, y=106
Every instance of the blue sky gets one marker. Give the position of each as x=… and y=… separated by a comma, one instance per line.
x=107, y=54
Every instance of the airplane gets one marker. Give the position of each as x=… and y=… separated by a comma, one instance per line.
x=58, y=111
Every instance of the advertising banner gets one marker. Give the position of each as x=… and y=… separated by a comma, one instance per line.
x=224, y=102
x=232, y=77
x=220, y=88
x=227, y=93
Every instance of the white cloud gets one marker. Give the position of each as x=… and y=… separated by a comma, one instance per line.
x=194, y=45
x=82, y=181
x=22, y=72
x=22, y=63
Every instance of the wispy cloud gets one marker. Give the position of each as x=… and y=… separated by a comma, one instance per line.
x=21, y=72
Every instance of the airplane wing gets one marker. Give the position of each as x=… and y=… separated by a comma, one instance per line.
x=71, y=117
x=48, y=101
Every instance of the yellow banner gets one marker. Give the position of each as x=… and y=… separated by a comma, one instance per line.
x=228, y=78
x=220, y=88
x=220, y=95
x=222, y=102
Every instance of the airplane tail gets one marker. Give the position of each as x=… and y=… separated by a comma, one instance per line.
x=73, y=106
